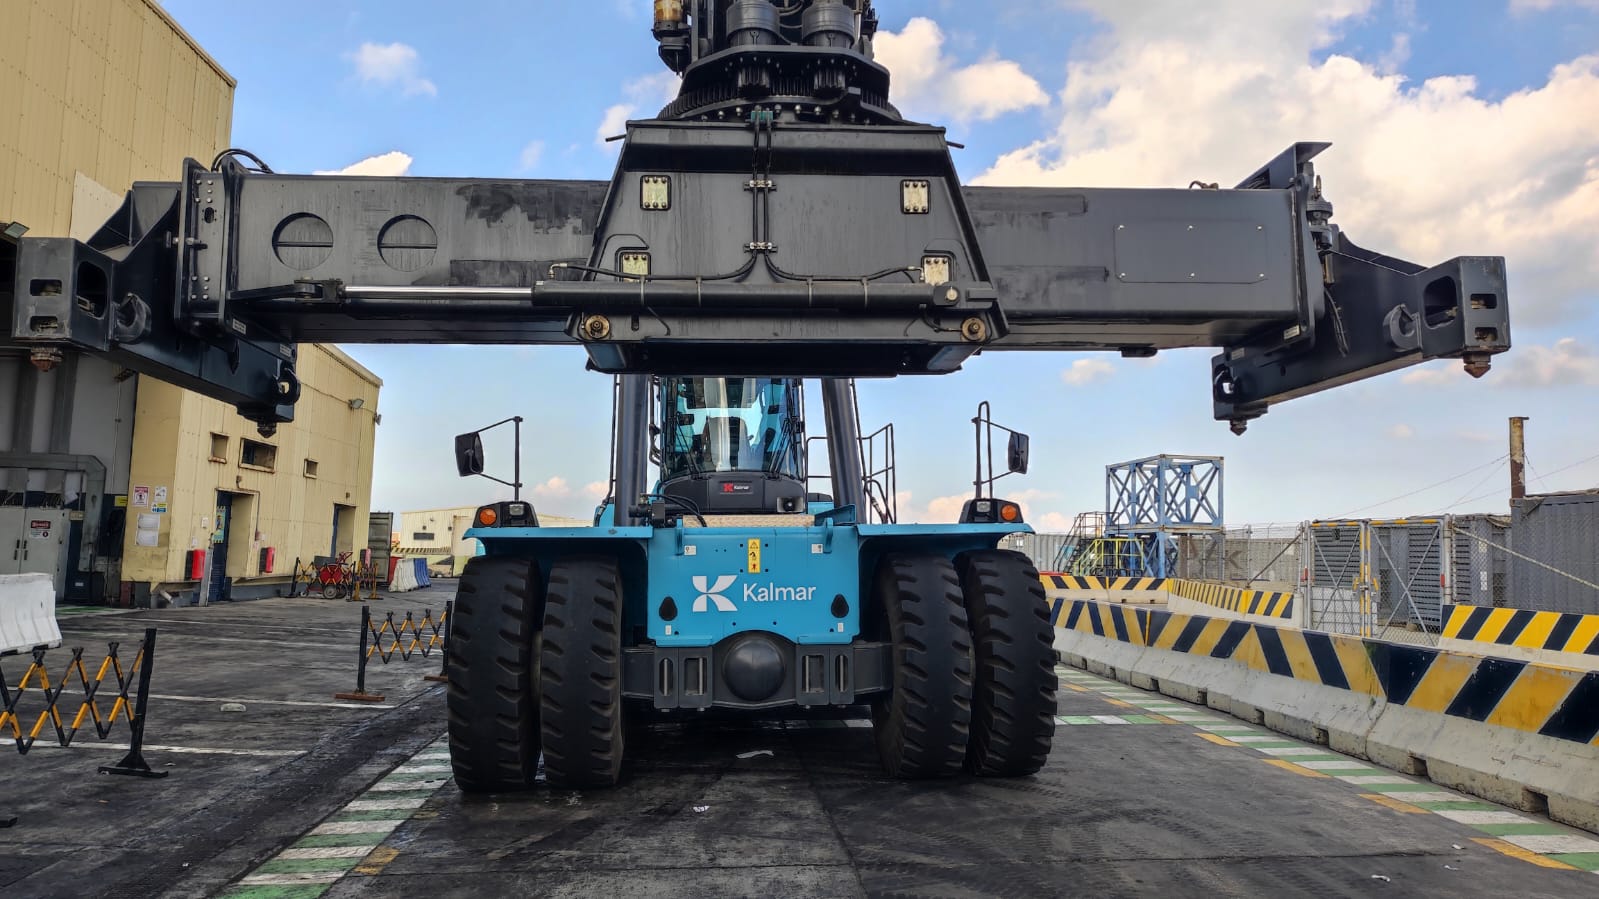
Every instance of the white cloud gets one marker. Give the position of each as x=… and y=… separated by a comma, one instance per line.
x=1527, y=6
x=393, y=65
x=945, y=508
x=554, y=488
x=530, y=157
x=1175, y=92
x=1568, y=362
x=1051, y=523
x=1087, y=371
x=392, y=164
x=925, y=82
x=1401, y=431
x=642, y=97
x=597, y=490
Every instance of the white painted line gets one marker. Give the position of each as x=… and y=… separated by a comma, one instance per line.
x=1427, y=796
x=185, y=750
x=1475, y=816
x=1256, y=738
x=1347, y=765
x=422, y=769
x=384, y=805
x=330, y=851
x=247, y=702
x=292, y=879
x=1372, y=779
x=230, y=624
x=1110, y=719
x=857, y=722
x=1550, y=843
x=1192, y=719
x=349, y=827
x=1290, y=750
x=392, y=786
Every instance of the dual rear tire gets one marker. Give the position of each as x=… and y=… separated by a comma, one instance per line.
x=973, y=667
x=530, y=673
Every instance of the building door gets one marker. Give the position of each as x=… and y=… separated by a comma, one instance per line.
x=219, y=546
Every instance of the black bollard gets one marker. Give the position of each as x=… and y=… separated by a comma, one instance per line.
x=360, y=694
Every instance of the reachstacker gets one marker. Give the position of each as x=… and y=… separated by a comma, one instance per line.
x=778, y=221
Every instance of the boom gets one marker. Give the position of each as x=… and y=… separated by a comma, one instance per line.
x=778, y=219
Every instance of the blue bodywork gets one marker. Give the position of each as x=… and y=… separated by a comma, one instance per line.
x=806, y=575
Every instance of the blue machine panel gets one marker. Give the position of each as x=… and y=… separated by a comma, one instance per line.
x=725, y=580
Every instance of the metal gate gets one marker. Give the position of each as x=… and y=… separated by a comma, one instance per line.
x=1337, y=577
x=1385, y=579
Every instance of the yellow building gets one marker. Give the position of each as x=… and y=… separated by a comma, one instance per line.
x=94, y=95
x=203, y=479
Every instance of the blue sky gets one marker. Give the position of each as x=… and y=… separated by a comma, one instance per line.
x=1458, y=128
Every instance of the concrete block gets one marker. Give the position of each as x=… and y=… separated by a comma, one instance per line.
x=27, y=612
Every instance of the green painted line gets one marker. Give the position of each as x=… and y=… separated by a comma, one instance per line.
x=1530, y=827
x=1451, y=806
x=1421, y=788
x=306, y=865
x=305, y=891
x=386, y=814
x=1140, y=719
x=1587, y=861
x=325, y=840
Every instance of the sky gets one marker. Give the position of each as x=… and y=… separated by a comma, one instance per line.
x=1458, y=128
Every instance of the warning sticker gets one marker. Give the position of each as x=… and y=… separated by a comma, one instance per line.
x=39, y=528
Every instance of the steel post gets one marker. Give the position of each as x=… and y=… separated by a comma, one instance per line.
x=632, y=449
x=133, y=764
x=843, y=444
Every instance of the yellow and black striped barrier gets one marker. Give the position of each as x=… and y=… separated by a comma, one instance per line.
x=407, y=637
x=1524, y=628
x=130, y=689
x=1266, y=603
x=1548, y=700
x=1080, y=582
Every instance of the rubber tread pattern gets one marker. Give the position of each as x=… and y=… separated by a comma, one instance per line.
x=490, y=697
x=923, y=726
x=1014, y=700
x=580, y=675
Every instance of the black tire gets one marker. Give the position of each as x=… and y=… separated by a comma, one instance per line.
x=922, y=726
x=580, y=675
x=491, y=697
x=1013, y=703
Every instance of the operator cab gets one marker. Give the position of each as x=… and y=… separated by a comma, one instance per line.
x=732, y=446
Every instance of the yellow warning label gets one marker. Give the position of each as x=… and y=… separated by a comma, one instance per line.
x=755, y=556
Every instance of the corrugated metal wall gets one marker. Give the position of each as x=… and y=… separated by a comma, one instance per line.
x=1561, y=530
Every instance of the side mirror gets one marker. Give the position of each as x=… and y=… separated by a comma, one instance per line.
x=469, y=454
x=1016, y=453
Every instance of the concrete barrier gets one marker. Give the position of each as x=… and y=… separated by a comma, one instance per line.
x=1146, y=590
x=27, y=612
x=1555, y=638
x=1519, y=733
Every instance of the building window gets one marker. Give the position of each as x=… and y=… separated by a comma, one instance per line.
x=422, y=536
x=219, y=447
x=310, y=468
x=258, y=455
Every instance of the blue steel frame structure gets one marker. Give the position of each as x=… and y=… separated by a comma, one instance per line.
x=1159, y=500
